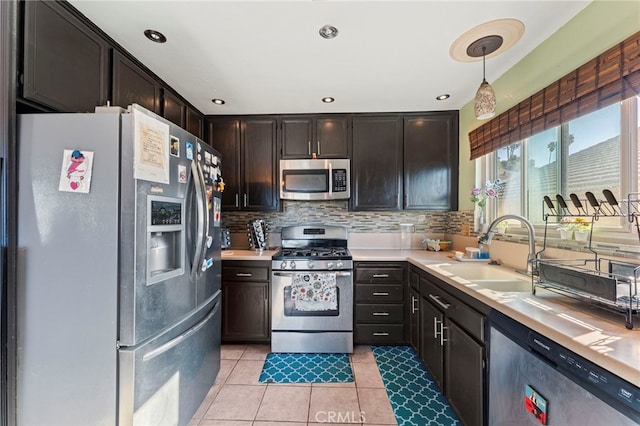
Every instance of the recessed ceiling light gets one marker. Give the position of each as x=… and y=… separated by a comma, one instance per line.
x=155, y=36
x=327, y=99
x=328, y=31
x=443, y=97
x=218, y=101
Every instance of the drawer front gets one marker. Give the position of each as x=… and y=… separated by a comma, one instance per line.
x=390, y=334
x=380, y=314
x=380, y=275
x=390, y=293
x=466, y=317
x=245, y=273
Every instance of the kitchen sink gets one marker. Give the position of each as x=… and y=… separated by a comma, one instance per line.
x=491, y=277
x=519, y=286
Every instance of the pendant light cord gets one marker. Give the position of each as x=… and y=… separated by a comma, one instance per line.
x=484, y=49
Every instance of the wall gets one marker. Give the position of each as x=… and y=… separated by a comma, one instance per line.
x=595, y=29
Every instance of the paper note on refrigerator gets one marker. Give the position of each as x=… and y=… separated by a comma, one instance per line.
x=151, y=148
x=75, y=175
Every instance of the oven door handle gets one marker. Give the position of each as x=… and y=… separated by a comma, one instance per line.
x=289, y=274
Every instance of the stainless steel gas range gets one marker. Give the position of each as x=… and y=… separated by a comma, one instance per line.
x=312, y=291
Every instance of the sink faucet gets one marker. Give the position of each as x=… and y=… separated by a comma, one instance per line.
x=531, y=260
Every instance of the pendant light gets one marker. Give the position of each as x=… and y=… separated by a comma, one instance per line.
x=485, y=101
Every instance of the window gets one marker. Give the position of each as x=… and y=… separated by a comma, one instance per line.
x=589, y=153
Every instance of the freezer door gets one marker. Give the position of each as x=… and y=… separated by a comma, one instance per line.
x=164, y=381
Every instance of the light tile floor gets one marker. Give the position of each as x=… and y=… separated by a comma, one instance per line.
x=239, y=399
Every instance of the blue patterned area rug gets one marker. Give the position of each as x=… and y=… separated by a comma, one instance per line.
x=306, y=368
x=414, y=395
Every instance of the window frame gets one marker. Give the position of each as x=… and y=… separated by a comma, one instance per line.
x=487, y=170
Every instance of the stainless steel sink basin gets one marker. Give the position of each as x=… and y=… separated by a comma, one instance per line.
x=519, y=286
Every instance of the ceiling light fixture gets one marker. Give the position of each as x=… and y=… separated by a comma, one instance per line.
x=328, y=31
x=218, y=101
x=443, y=97
x=328, y=99
x=484, y=104
x=155, y=36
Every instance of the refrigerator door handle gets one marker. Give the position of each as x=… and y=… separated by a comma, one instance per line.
x=200, y=214
x=205, y=202
x=174, y=342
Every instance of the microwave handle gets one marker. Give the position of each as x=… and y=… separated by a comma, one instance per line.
x=330, y=174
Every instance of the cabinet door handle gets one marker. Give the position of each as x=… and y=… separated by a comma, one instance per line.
x=442, y=329
x=380, y=334
x=380, y=275
x=380, y=293
x=443, y=305
x=414, y=305
x=309, y=148
x=245, y=200
x=318, y=146
x=237, y=200
x=244, y=274
x=381, y=314
x=435, y=327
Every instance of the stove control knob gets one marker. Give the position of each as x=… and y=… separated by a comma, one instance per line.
x=339, y=264
x=292, y=264
x=283, y=265
x=310, y=264
x=329, y=265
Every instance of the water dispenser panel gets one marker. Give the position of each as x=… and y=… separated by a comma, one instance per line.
x=166, y=213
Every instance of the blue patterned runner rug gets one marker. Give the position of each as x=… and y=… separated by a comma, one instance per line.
x=414, y=395
x=306, y=368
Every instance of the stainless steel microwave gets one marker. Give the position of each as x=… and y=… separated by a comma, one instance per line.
x=320, y=179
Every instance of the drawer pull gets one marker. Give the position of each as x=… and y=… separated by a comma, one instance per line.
x=380, y=275
x=443, y=305
x=380, y=293
x=380, y=334
x=244, y=274
x=414, y=304
x=381, y=314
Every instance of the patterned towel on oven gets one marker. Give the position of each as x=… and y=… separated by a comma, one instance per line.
x=314, y=291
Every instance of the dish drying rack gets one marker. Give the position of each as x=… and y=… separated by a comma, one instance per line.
x=609, y=283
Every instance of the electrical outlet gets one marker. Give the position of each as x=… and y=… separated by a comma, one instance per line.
x=465, y=229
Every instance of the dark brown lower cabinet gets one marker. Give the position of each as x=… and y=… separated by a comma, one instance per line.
x=464, y=377
x=452, y=348
x=245, y=302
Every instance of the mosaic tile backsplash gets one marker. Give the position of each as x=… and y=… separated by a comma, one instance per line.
x=337, y=213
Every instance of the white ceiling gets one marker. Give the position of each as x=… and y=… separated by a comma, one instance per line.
x=267, y=56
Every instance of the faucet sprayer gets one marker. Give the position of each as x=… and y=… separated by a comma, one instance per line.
x=531, y=259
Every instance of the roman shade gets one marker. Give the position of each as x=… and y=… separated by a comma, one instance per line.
x=608, y=78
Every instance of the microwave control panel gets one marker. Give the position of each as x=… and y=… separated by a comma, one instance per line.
x=339, y=180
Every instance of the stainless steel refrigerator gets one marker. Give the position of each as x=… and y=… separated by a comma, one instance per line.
x=119, y=269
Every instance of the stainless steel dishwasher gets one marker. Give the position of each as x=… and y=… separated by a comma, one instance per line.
x=533, y=380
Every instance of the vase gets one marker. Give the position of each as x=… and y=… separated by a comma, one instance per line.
x=582, y=235
x=482, y=222
x=565, y=234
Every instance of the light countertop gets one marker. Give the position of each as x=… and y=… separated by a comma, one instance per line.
x=598, y=335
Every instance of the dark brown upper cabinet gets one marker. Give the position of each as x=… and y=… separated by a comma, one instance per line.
x=195, y=123
x=323, y=136
x=66, y=63
x=132, y=84
x=376, y=166
x=173, y=108
x=249, y=162
x=431, y=161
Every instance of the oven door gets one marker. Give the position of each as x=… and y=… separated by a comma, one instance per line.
x=285, y=316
